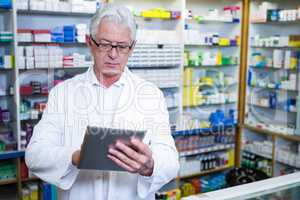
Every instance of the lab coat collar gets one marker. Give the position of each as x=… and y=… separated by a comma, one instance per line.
x=91, y=77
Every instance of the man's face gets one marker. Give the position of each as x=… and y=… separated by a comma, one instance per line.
x=110, y=62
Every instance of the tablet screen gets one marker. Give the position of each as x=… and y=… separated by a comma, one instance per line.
x=96, y=143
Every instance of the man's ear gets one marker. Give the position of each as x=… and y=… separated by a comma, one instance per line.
x=88, y=40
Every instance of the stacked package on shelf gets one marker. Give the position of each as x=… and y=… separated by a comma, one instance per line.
x=79, y=60
x=22, y=4
x=48, y=191
x=6, y=4
x=157, y=36
x=41, y=59
x=57, y=34
x=77, y=6
x=30, y=57
x=81, y=32
x=76, y=60
x=7, y=171
x=6, y=60
x=159, y=13
x=260, y=14
x=26, y=135
x=163, y=78
x=195, y=37
x=6, y=36
x=288, y=155
x=55, y=55
x=41, y=35
x=162, y=49
x=30, y=191
x=25, y=35
x=83, y=6
x=69, y=33
x=268, y=11
x=7, y=141
x=227, y=14
x=201, y=58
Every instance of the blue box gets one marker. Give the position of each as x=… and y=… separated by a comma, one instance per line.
x=6, y=4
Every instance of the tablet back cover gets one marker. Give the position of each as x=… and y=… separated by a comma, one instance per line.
x=95, y=147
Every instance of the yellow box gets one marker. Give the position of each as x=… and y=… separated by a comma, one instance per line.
x=219, y=58
x=188, y=76
x=294, y=63
x=191, y=96
x=165, y=15
x=230, y=158
x=34, y=195
x=156, y=13
x=224, y=42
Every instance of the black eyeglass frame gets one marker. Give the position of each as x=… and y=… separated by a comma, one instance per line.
x=113, y=46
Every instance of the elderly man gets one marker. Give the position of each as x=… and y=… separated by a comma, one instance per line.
x=107, y=95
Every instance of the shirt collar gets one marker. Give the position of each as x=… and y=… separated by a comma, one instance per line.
x=94, y=81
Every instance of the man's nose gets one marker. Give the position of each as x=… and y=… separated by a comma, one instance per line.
x=113, y=53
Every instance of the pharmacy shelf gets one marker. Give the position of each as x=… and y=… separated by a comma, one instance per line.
x=34, y=95
x=30, y=120
x=14, y=180
x=210, y=21
x=266, y=107
x=173, y=107
x=167, y=86
x=210, y=104
x=271, y=68
x=153, y=19
x=54, y=13
x=206, y=172
x=276, y=22
x=66, y=44
x=217, y=86
x=5, y=69
x=212, y=66
x=259, y=154
x=5, y=42
x=212, y=46
x=141, y=67
x=11, y=155
x=8, y=181
x=218, y=147
x=4, y=10
x=30, y=179
x=54, y=68
x=270, y=88
x=258, y=130
x=6, y=96
x=286, y=163
x=199, y=131
x=274, y=47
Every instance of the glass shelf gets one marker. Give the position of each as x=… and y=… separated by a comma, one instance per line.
x=54, y=13
x=272, y=68
x=77, y=44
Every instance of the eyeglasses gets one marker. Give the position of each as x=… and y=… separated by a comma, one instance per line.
x=107, y=47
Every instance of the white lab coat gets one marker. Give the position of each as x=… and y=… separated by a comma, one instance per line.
x=71, y=107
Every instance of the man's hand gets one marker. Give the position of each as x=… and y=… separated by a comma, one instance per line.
x=135, y=157
x=76, y=158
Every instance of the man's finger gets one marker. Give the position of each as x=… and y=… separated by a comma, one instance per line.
x=131, y=153
x=120, y=163
x=123, y=158
x=141, y=147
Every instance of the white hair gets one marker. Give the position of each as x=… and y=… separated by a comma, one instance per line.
x=114, y=13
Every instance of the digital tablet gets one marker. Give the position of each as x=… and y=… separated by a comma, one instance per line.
x=95, y=146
